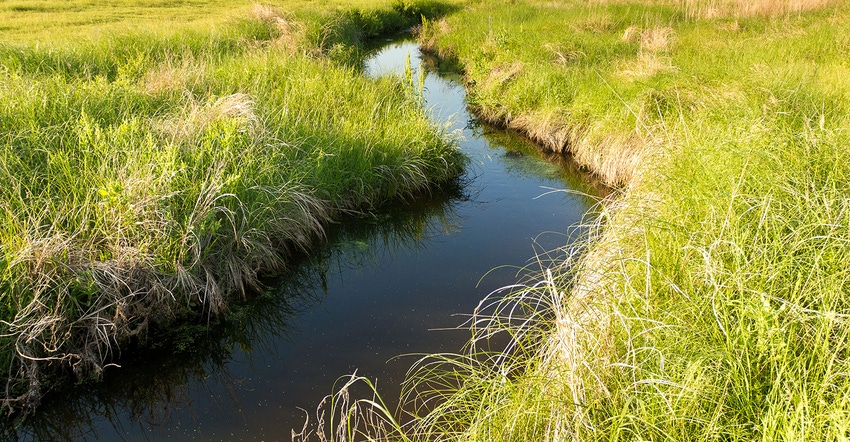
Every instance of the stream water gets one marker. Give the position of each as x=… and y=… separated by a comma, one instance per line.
x=383, y=286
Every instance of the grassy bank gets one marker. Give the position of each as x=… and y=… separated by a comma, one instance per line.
x=713, y=303
x=151, y=175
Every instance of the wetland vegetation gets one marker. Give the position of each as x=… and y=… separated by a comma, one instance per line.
x=712, y=304
x=709, y=302
x=151, y=175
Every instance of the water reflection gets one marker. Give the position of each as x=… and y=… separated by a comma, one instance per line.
x=160, y=383
x=376, y=290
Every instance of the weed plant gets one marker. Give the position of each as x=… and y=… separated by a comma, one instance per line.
x=147, y=176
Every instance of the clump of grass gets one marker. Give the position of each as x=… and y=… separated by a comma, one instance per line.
x=149, y=177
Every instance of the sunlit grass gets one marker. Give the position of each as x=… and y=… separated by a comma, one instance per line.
x=57, y=21
x=151, y=175
x=713, y=303
x=597, y=80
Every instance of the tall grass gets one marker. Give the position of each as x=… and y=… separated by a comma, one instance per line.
x=154, y=378
x=593, y=79
x=146, y=177
x=711, y=305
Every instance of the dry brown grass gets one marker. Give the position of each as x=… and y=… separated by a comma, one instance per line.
x=597, y=23
x=748, y=8
x=729, y=26
x=501, y=75
x=645, y=65
x=170, y=77
x=651, y=59
x=564, y=56
x=632, y=34
x=291, y=33
x=549, y=129
x=197, y=116
x=721, y=8
x=651, y=40
x=614, y=159
x=656, y=39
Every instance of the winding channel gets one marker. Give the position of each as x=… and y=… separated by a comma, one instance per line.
x=383, y=286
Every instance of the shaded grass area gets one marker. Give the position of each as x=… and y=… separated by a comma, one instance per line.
x=712, y=303
x=150, y=176
x=154, y=380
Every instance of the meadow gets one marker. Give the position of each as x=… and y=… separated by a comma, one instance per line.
x=711, y=303
x=156, y=162
x=160, y=171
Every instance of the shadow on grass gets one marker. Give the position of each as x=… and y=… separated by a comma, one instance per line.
x=157, y=374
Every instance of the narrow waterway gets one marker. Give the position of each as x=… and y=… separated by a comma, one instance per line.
x=384, y=286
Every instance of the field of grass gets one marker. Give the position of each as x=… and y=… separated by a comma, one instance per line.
x=51, y=21
x=156, y=160
x=155, y=168
x=713, y=304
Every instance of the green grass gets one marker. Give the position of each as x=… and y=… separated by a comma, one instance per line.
x=169, y=168
x=150, y=175
x=712, y=304
x=53, y=21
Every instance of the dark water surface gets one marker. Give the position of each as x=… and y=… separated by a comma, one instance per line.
x=380, y=288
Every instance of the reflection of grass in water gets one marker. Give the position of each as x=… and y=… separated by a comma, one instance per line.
x=154, y=381
x=156, y=378
x=554, y=165
x=509, y=328
x=522, y=155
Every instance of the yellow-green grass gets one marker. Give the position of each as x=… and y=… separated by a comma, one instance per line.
x=591, y=79
x=58, y=21
x=714, y=301
x=150, y=175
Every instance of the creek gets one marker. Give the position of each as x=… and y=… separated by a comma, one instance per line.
x=391, y=284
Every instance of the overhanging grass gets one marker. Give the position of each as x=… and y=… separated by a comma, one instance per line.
x=714, y=304
x=145, y=177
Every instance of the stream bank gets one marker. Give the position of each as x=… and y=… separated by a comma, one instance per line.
x=387, y=285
